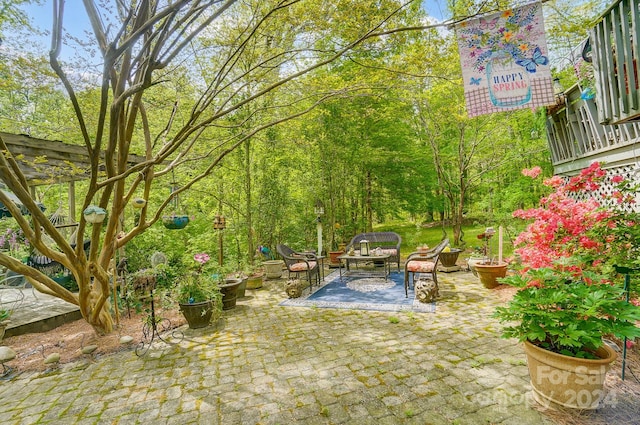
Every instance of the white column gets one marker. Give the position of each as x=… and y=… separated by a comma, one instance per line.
x=319, y=237
x=499, y=244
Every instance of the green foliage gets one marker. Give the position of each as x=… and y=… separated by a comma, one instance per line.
x=4, y=314
x=197, y=287
x=567, y=315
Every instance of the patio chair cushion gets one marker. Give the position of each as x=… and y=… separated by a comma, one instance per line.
x=420, y=266
x=301, y=266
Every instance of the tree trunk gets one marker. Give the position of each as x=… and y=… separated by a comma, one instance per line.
x=248, y=204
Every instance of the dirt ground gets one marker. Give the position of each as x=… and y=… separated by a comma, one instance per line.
x=69, y=339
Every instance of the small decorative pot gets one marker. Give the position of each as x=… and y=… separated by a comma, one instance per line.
x=471, y=262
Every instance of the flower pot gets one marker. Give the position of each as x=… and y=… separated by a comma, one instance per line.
x=229, y=291
x=242, y=288
x=333, y=256
x=254, y=282
x=567, y=381
x=488, y=273
x=471, y=262
x=448, y=259
x=198, y=315
x=273, y=269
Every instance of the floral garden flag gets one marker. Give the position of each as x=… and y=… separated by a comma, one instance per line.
x=504, y=61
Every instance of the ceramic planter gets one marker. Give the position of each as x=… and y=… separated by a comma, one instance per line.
x=273, y=269
x=242, y=288
x=333, y=257
x=198, y=315
x=567, y=381
x=471, y=262
x=448, y=259
x=229, y=291
x=254, y=282
x=488, y=273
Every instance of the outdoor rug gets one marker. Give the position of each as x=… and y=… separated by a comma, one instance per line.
x=362, y=293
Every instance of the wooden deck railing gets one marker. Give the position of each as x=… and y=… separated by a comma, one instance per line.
x=576, y=138
x=615, y=42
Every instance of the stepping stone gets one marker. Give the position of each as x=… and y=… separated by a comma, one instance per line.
x=7, y=354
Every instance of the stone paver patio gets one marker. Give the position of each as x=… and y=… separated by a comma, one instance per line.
x=267, y=364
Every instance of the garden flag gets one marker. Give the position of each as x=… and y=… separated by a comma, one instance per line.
x=505, y=63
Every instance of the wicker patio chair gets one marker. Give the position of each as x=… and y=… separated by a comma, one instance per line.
x=423, y=263
x=300, y=262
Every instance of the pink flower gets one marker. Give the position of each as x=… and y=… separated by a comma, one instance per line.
x=554, y=181
x=617, y=179
x=202, y=258
x=533, y=173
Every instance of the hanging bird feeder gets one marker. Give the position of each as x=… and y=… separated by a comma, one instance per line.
x=138, y=203
x=219, y=222
x=175, y=220
x=94, y=214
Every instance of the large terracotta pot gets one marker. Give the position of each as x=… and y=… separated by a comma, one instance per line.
x=567, y=381
x=198, y=315
x=488, y=273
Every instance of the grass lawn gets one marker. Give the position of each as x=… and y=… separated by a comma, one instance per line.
x=414, y=235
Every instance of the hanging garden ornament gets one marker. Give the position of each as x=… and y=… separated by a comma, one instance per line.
x=94, y=214
x=138, y=202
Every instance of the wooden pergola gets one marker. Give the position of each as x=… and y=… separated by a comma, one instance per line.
x=52, y=161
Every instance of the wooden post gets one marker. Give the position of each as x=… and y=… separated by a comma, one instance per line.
x=499, y=244
x=220, y=247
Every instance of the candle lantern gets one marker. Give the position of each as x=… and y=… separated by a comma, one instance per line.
x=364, y=247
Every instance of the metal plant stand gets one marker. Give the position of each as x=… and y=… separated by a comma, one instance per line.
x=150, y=331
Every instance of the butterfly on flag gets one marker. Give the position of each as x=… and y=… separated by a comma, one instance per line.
x=475, y=81
x=488, y=24
x=536, y=59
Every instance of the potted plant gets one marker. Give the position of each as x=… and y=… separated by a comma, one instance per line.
x=229, y=285
x=143, y=281
x=254, y=278
x=489, y=270
x=570, y=292
x=449, y=256
x=199, y=295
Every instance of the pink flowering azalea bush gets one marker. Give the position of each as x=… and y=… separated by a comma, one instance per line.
x=573, y=255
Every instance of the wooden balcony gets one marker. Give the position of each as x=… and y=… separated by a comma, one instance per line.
x=616, y=52
x=576, y=137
